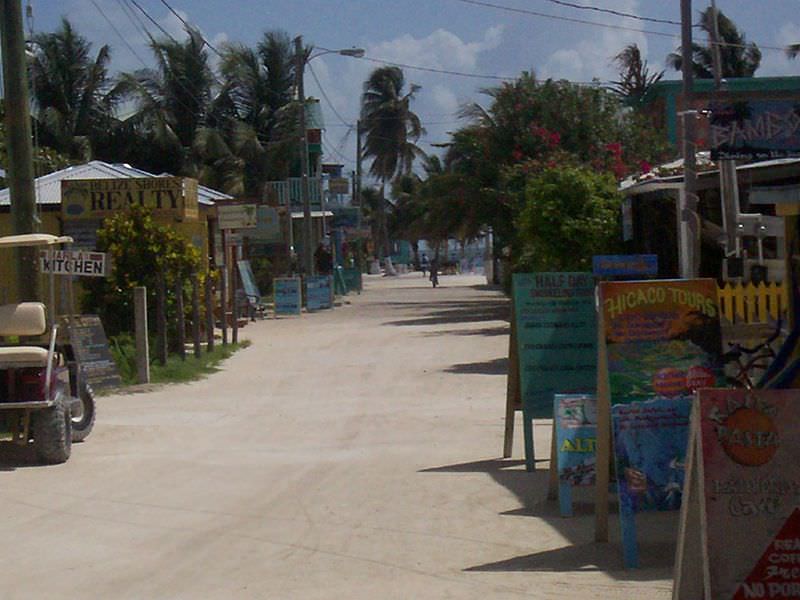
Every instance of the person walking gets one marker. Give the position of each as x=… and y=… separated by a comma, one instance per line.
x=424, y=263
x=434, y=272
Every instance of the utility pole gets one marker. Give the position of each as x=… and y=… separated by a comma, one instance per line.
x=688, y=217
x=729, y=185
x=18, y=139
x=308, y=229
x=358, y=164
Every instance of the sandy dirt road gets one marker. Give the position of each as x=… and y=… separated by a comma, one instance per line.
x=346, y=454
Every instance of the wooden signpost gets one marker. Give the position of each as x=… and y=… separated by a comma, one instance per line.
x=553, y=348
x=660, y=341
x=739, y=536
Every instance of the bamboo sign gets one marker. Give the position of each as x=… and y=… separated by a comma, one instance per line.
x=740, y=524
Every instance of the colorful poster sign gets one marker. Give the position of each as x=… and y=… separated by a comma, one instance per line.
x=288, y=296
x=758, y=129
x=576, y=444
x=625, y=265
x=650, y=441
x=172, y=197
x=750, y=482
x=319, y=292
x=556, y=332
x=663, y=338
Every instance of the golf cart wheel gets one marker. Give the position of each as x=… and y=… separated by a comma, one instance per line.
x=52, y=432
x=83, y=416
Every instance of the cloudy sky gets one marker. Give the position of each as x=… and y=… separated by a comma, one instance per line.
x=474, y=43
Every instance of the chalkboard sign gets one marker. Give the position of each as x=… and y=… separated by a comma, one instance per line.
x=90, y=345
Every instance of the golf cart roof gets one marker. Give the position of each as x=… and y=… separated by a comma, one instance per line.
x=33, y=239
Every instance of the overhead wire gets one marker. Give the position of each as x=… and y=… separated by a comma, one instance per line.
x=325, y=96
x=188, y=26
x=611, y=11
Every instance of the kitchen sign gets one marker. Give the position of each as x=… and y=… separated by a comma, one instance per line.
x=74, y=262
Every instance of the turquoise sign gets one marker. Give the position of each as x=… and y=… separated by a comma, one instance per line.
x=556, y=329
x=319, y=292
x=288, y=299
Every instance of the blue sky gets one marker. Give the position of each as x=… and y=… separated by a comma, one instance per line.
x=452, y=35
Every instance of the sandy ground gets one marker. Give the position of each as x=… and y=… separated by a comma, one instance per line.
x=346, y=454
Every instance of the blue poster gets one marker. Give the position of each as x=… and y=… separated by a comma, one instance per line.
x=576, y=437
x=319, y=292
x=556, y=328
x=650, y=441
x=288, y=300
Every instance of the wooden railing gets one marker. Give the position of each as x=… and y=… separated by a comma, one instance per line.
x=753, y=304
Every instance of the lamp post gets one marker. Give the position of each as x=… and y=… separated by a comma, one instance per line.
x=300, y=64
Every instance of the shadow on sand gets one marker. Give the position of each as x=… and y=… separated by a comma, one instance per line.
x=498, y=366
x=656, y=531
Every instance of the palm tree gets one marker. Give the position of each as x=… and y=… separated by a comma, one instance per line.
x=174, y=101
x=635, y=76
x=737, y=57
x=391, y=129
x=259, y=84
x=73, y=97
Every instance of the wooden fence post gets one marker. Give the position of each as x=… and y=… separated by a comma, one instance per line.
x=142, y=343
x=179, y=308
x=161, y=319
x=209, y=311
x=196, y=315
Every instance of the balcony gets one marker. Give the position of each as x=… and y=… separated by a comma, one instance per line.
x=289, y=192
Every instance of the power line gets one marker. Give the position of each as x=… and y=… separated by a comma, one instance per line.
x=568, y=19
x=130, y=48
x=441, y=71
x=188, y=26
x=325, y=96
x=613, y=12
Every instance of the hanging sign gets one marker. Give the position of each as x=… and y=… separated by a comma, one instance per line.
x=74, y=262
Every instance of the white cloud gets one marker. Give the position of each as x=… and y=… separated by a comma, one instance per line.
x=445, y=98
x=777, y=63
x=591, y=55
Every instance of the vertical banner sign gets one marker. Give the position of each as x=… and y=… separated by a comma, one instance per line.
x=288, y=296
x=576, y=437
x=749, y=493
x=556, y=332
x=319, y=292
x=662, y=342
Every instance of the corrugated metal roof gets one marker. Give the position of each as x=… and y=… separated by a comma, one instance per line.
x=48, y=187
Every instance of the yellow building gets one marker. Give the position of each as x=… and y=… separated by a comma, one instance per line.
x=74, y=202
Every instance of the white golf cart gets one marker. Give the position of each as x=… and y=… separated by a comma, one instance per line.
x=44, y=398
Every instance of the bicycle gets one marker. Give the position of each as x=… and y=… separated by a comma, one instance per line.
x=758, y=360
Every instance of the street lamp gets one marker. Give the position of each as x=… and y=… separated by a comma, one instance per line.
x=301, y=60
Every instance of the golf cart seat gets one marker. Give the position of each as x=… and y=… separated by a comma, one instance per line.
x=23, y=319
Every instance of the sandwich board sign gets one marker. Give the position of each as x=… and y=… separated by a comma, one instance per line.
x=576, y=438
x=660, y=341
x=553, y=346
x=288, y=295
x=319, y=292
x=740, y=524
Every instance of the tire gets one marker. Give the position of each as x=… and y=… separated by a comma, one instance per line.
x=83, y=421
x=52, y=432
